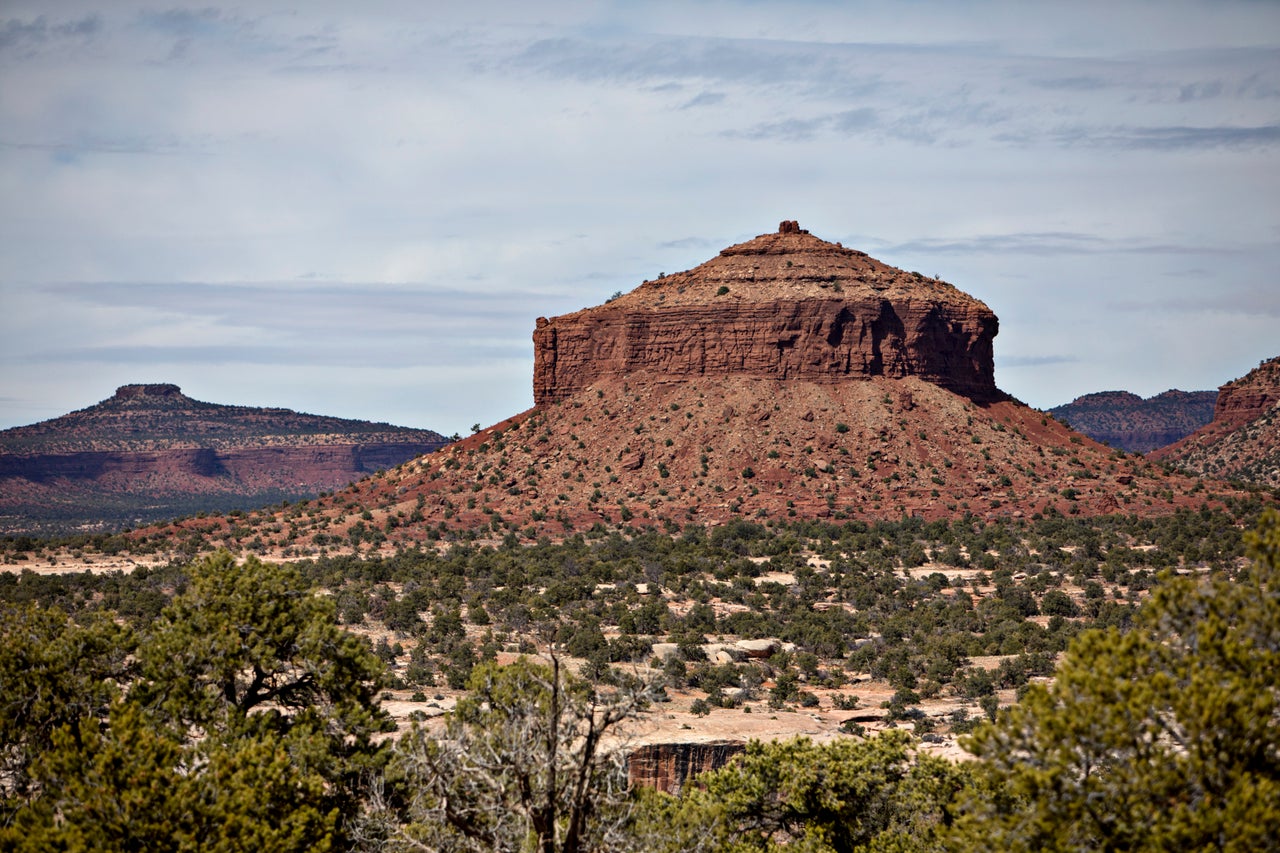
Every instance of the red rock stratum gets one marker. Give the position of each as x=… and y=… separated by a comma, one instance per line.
x=785, y=306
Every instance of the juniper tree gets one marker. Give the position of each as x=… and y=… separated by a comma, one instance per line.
x=530, y=759
x=1166, y=737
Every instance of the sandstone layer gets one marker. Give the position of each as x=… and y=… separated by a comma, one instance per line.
x=784, y=306
x=667, y=766
x=1249, y=397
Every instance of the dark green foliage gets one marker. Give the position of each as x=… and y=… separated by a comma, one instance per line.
x=247, y=724
x=57, y=678
x=796, y=795
x=1166, y=737
x=240, y=671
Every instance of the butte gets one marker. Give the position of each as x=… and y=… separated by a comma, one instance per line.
x=786, y=379
x=784, y=306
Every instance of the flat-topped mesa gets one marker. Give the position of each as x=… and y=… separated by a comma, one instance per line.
x=786, y=305
x=129, y=392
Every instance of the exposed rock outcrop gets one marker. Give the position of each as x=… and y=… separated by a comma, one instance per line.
x=315, y=467
x=782, y=306
x=1243, y=439
x=1249, y=397
x=135, y=392
x=667, y=766
x=1127, y=421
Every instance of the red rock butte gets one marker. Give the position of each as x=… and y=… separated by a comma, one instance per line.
x=786, y=305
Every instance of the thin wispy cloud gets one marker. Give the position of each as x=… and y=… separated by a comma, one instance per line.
x=1173, y=138
x=704, y=99
x=1016, y=361
x=26, y=36
x=846, y=122
x=282, y=356
x=1055, y=243
x=1252, y=302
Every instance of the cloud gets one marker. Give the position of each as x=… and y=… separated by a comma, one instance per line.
x=1201, y=91
x=1050, y=243
x=794, y=129
x=99, y=144
x=24, y=37
x=342, y=310
x=1081, y=83
x=1252, y=303
x=647, y=58
x=480, y=352
x=185, y=22
x=1016, y=361
x=1171, y=138
x=704, y=99
x=693, y=243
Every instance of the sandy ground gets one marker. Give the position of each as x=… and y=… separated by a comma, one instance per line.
x=65, y=564
x=672, y=722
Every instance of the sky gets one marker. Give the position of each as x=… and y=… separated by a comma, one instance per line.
x=360, y=209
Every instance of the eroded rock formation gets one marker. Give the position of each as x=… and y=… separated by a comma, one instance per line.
x=1249, y=397
x=667, y=766
x=781, y=306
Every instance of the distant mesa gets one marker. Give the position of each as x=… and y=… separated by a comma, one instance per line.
x=129, y=392
x=150, y=452
x=784, y=306
x=1127, y=421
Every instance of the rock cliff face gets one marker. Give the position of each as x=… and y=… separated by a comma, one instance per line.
x=1243, y=440
x=782, y=306
x=667, y=766
x=1127, y=421
x=149, y=452
x=1249, y=397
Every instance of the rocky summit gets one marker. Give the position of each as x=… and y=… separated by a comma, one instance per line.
x=784, y=306
x=788, y=378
